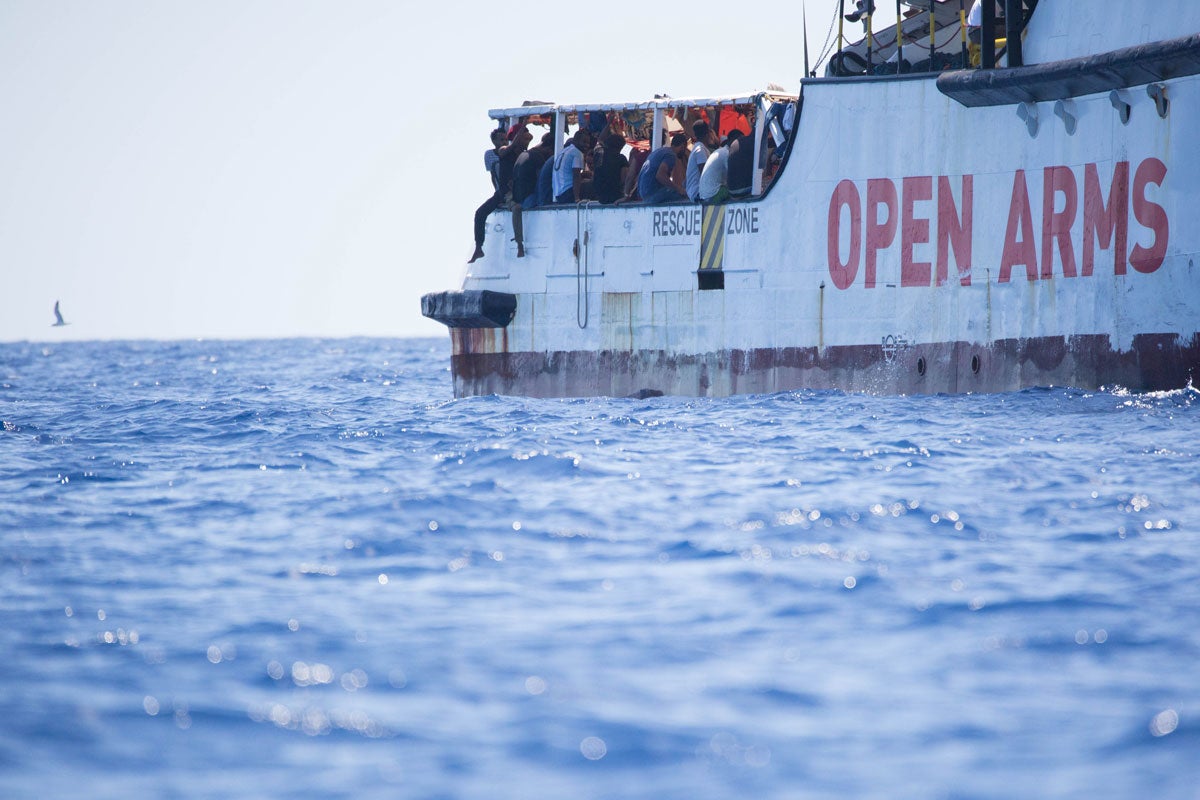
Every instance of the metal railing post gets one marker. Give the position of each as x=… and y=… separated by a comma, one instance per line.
x=987, y=35
x=1014, y=14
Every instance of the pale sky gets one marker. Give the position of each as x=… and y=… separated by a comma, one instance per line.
x=268, y=168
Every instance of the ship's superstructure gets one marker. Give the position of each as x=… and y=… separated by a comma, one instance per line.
x=1042, y=230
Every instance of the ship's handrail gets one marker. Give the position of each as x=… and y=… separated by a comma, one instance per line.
x=890, y=78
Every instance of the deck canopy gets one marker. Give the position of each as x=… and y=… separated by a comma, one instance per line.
x=537, y=108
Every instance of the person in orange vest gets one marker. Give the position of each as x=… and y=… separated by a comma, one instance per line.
x=732, y=119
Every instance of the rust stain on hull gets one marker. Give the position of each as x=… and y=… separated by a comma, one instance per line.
x=478, y=341
x=482, y=365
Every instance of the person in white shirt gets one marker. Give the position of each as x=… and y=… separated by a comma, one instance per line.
x=706, y=142
x=975, y=20
x=568, y=168
x=714, y=180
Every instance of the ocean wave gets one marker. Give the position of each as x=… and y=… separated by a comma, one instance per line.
x=284, y=547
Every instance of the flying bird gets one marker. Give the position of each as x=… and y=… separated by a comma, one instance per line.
x=58, y=318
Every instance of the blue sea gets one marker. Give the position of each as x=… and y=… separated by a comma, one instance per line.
x=302, y=569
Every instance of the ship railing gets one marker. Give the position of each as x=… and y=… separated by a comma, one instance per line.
x=931, y=36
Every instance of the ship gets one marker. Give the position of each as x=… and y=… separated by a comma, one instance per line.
x=939, y=216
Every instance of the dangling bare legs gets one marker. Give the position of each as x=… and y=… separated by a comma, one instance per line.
x=481, y=215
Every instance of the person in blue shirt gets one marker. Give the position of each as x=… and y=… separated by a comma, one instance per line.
x=657, y=182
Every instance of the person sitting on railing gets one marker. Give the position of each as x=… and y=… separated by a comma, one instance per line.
x=491, y=158
x=508, y=158
x=657, y=182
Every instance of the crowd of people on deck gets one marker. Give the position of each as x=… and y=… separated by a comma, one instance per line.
x=709, y=159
